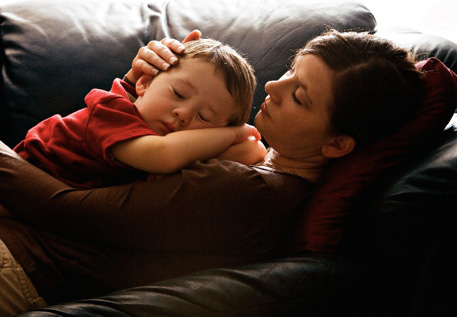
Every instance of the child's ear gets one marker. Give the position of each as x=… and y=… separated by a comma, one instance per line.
x=142, y=84
x=338, y=146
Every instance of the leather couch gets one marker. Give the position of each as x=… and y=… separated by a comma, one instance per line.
x=397, y=260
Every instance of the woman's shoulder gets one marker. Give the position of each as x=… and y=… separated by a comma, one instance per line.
x=239, y=177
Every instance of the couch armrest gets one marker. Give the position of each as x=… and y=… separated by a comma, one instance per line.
x=287, y=286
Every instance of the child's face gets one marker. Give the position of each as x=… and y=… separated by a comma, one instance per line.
x=191, y=95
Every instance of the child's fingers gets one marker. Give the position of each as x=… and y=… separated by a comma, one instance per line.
x=254, y=132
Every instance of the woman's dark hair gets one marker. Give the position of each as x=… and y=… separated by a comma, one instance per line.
x=376, y=89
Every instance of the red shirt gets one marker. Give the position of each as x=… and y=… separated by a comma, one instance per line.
x=75, y=148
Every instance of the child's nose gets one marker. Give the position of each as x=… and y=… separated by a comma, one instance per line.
x=182, y=115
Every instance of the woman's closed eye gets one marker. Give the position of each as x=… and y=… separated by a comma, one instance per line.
x=294, y=97
x=302, y=101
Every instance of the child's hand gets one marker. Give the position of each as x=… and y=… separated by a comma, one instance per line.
x=246, y=131
x=248, y=152
x=253, y=132
x=157, y=56
x=247, y=148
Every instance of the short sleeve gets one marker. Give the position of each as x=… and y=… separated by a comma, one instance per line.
x=113, y=118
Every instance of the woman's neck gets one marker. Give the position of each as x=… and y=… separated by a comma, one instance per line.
x=310, y=168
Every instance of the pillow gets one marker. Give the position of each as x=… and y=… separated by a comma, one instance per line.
x=323, y=222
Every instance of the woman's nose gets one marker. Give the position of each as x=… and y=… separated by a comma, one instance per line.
x=272, y=89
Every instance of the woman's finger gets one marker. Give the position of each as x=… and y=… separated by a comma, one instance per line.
x=156, y=56
x=156, y=49
x=174, y=45
x=194, y=35
x=142, y=67
x=153, y=54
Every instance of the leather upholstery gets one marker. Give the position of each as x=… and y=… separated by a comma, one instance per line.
x=284, y=287
x=52, y=58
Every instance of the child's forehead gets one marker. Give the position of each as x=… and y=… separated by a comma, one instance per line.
x=193, y=68
x=189, y=61
x=196, y=72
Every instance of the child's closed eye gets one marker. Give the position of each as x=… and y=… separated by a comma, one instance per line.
x=203, y=118
x=178, y=94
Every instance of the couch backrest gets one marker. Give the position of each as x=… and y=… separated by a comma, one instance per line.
x=55, y=51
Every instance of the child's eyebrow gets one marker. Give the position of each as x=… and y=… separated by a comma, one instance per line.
x=187, y=83
x=191, y=86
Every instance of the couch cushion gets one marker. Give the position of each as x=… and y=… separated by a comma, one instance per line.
x=54, y=57
x=413, y=233
x=421, y=202
x=423, y=45
x=326, y=218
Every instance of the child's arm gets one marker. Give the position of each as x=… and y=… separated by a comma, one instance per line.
x=248, y=152
x=172, y=152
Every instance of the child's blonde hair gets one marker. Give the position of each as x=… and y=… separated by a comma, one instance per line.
x=238, y=73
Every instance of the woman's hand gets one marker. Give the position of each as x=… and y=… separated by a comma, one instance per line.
x=157, y=56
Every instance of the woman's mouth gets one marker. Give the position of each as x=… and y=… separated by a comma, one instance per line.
x=264, y=109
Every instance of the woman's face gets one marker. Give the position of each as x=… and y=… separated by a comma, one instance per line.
x=295, y=115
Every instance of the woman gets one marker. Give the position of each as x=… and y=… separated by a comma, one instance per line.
x=343, y=91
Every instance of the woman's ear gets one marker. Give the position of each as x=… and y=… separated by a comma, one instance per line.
x=142, y=84
x=338, y=146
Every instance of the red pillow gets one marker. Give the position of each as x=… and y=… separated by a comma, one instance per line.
x=323, y=222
